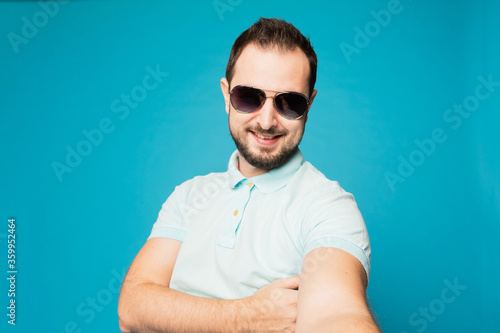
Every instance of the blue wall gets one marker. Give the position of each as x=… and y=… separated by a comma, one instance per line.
x=386, y=124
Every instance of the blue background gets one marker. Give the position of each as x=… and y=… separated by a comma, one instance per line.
x=77, y=232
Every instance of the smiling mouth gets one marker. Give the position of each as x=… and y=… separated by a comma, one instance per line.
x=265, y=136
x=266, y=140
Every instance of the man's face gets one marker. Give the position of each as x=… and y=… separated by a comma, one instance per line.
x=264, y=138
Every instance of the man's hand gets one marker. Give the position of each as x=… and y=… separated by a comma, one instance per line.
x=276, y=306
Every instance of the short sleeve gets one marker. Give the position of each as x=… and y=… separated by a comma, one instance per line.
x=334, y=220
x=170, y=222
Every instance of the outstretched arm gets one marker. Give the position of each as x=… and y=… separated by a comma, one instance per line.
x=332, y=294
x=147, y=304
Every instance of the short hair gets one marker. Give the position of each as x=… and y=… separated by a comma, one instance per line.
x=273, y=32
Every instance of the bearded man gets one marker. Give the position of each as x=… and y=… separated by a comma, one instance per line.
x=274, y=246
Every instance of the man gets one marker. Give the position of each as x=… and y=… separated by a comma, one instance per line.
x=271, y=245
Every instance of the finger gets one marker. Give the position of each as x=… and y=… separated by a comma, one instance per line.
x=291, y=282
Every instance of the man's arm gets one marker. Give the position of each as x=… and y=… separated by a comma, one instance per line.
x=147, y=304
x=332, y=294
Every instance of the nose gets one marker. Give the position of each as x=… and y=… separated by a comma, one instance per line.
x=267, y=117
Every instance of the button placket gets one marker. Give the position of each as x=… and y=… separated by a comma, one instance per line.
x=228, y=236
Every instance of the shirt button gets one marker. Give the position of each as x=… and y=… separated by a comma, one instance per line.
x=250, y=185
x=235, y=212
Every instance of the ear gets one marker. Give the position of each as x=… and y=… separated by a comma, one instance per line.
x=224, y=86
x=311, y=99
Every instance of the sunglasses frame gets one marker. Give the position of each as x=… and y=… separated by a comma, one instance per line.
x=274, y=100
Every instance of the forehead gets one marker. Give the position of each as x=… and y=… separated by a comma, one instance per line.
x=272, y=69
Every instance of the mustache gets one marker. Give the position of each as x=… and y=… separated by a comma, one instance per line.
x=271, y=131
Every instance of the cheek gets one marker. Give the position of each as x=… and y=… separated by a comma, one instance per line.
x=239, y=121
x=295, y=130
x=236, y=123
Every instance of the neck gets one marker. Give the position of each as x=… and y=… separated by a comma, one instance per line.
x=247, y=169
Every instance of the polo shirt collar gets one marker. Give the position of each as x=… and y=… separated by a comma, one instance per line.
x=270, y=181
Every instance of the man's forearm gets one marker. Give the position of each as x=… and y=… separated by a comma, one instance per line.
x=147, y=307
x=342, y=323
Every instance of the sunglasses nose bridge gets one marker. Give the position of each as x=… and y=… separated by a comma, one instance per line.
x=264, y=98
x=267, y=97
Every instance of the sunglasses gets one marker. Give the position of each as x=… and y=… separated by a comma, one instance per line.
x=291, y=105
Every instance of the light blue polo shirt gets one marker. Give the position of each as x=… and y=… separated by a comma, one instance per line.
x=241, y=234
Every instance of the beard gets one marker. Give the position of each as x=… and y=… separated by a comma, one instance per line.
x=265, y=159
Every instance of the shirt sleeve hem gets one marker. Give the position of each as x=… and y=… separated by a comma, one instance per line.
x=344, y=245
x=168, y=232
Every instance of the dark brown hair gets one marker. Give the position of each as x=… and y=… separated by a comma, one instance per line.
x=273, y=32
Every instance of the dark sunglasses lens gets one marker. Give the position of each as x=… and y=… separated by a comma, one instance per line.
x=247, y=99
x=291, y=106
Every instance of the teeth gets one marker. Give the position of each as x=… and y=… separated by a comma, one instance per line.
x=264, y=137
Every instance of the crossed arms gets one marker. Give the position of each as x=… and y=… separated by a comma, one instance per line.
x=331, y=297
